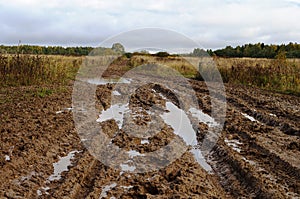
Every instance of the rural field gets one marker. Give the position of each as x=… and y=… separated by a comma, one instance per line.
x=256, y=155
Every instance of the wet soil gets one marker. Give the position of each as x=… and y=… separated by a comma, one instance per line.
x=256, y=156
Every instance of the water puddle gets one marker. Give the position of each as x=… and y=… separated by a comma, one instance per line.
x=102, y=81
x=126, y=167
x=116, y=93
x=7, y=158
x=127, y=187
x=133, y=153
x=201, y=160
x=249, y=117
x=273, y=115
x=25, y=178
x=62, y=165
x=234, y=144
x=174, y=116
x=145, y=141
x=203, y=117
x=59, y=167
x=64, y=110
x=180, y=123
x=107, y=188
x=115, y=112
x=182, y=127
x=248, y=161
x=43, y=190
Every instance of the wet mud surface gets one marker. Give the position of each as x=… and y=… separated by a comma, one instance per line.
x=256, y=154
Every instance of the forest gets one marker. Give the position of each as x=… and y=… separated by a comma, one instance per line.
x=258, y=50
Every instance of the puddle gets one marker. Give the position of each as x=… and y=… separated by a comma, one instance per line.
x=29, y=176
x=201, y=160
x=43, y=190
x=133, y=153
x=107, y=188
x=115, y=112
x=7, y=158
x=126, y=167
x=145, y=141
x=234, y=144
x=180, y=123
x=175, y=117
x=182, y=127
x=25, y=178
x=127, y=187
x=62, y=165
x=102, y=81
x=248, y=161
x=64, y=110
x=59, y=167
x=249, y=117
x=203, y=117
x=271, y=114
x=116, y=93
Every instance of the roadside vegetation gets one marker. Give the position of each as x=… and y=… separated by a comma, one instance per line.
x=27, y=70
x=279, y=74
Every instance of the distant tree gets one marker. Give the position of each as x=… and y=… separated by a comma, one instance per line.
x=162, y=54
x=199, y=52
x=117, y=47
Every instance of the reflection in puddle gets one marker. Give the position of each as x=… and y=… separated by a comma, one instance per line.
x=234, y=144
x=201, y=160
x=182, y=127
x=174, y=116
x=180, y=123
x=203, y=117
x=7, y=158
x=116, y=93
x=43, y=190
x=145, y=141
x=126, y=167
x=271, y=114
x=62, y=165
x=64, y=110
x=127, y=187
x=249, y=117
x=133, y=153
x=102, y=81
x=248, y=161
x=107, y=188
x=115, y=112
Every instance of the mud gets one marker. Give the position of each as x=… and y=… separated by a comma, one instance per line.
x=256, y=156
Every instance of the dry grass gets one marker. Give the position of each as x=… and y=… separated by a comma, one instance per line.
x=282, y=75
x=180, y=64
x=34, y=70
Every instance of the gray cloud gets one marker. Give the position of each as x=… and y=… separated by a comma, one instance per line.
x=213, y=24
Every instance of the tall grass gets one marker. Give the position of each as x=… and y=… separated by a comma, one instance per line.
x=279, y=74
x=34, y=70
x=282, y=75
x=180, y=64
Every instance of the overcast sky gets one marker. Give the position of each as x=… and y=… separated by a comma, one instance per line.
x=213, y=24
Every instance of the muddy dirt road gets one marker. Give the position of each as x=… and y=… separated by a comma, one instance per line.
x=256, y=155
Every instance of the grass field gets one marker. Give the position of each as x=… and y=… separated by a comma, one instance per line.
x=26, y=70
x=280, y=75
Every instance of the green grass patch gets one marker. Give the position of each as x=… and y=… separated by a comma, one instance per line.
x=43, y=92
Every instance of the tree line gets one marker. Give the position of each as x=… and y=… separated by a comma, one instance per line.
x=45, y=50
x=59, y=50
x=259, y=50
